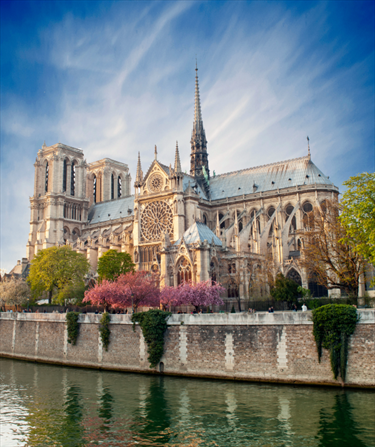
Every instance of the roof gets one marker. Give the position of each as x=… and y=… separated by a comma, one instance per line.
x=193, y=183
x=111, y=210
x=284, y=174
x=199, y=232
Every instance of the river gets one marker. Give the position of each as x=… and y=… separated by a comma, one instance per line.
x=45, y=405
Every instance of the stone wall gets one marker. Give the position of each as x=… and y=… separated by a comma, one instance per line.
x=277, y=347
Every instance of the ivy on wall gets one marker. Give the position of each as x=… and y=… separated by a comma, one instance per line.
x=153, y=324
x=104, y=329
x=333, y=325
x=72, y=326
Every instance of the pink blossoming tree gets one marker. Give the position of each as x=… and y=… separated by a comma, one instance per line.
x=205, y=293
x=134, y=288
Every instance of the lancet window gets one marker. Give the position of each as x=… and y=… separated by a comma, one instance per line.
x=119, y=186
x=94, y=188
x=112, y=187
x=184, y=271
x=293, y=225
x=65, y=172
x=46, y=178
x=73, y=179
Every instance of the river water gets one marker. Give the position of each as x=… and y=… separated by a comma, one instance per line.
x=44, y=405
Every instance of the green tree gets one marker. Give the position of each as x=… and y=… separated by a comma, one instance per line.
x=113, y=264
x=285, y=289
x=358, y=214
x=57, y=270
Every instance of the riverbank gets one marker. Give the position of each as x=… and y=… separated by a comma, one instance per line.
x=261, y=347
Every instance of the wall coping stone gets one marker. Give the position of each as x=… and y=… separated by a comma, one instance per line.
x=367, y=316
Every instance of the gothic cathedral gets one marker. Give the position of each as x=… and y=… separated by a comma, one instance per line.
x=185, y=226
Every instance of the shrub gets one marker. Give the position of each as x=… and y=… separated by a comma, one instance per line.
x=153, y=324
x=72, y=326
x=104, y=329
x=333, y=325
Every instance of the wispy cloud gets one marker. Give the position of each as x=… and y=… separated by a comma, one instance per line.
x=122, y=80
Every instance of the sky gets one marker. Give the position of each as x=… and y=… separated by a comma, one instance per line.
x=115, y=78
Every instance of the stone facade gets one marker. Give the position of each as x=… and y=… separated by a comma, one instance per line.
x=256, y=347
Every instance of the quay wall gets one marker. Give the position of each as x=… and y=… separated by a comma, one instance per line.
x=277, y=347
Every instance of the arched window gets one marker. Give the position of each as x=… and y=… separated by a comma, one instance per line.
x=46, y=182
x=112, y=187
x=65, y=210
x=270, y=213
x=240, y=226
x=293, y=225
x=184, y=271
x=65, y=167
x=222, y=225
x=119, y=186
x=204, y=219
x=73, y=179
x=307, y=215
x=94, y=188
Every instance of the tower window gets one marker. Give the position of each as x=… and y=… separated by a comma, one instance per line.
x=47, y=173
x=119, y=186
x=94, y=188
x=73, y=179
x=112, y=187
x=65, y=167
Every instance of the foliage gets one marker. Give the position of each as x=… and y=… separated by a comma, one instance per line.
x=203, y=293
x=284, y=289
x=112, y=264
x=57, y=268
x=358, y=214
x=233, y=310
x=153, y=324
x=328, y=253
x=306, y=293
x=14, y=292
x=104, y=329
x=139, y=288
x=333, y=325
x=169, y=297
x=72, y=326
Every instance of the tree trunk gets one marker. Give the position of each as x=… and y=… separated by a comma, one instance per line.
x=50, y=297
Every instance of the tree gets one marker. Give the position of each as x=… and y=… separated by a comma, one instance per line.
x=328, y=253
x=112, y=264
x=284, y=289
x=203, y=293
x=135, y=289
x=57, y=269
x=358, y=215
x=14, y=292
x=105, y=294
x=169, y=296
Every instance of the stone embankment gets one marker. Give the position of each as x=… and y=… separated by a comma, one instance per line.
x=277, y=347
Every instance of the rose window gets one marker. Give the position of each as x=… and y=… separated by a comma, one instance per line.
x=156, y=220
x=155, y=183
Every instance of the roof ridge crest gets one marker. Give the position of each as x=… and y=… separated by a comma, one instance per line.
x=260, y=166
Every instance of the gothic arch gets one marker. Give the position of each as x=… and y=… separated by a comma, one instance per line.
x=184, y=270
x=293, y=274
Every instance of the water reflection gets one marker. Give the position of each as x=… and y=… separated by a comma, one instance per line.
x=337, y=427
x=45, y=405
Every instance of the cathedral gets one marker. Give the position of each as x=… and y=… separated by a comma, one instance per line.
x=192, y=226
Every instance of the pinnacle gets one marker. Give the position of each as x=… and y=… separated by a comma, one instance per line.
x=177, y=162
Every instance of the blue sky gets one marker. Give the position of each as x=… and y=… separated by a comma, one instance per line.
x=115, y=78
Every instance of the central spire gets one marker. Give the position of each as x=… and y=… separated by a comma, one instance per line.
x=198, y=157
x=198, y=124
